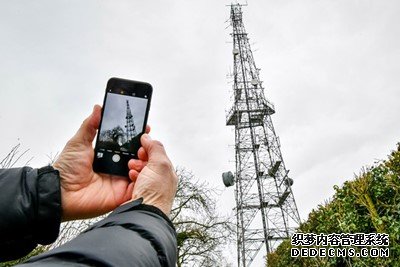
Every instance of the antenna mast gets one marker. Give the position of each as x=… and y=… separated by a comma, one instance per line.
x=266, y=210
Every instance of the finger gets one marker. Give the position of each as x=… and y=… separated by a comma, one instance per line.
x=95, y=121
x=142, y=155
x=148, y=128
x=133, y=175
x=154, y=149
x=136, y=164
x=88, y=129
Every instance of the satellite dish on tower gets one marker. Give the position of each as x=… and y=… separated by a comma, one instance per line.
x=228, y=179
x=289, y=182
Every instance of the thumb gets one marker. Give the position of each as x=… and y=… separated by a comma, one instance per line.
x=88, y=129
x=154, y=149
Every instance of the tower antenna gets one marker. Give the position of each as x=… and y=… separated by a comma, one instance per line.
x=266, y=211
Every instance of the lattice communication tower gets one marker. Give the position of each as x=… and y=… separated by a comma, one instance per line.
x=266, y=210
x=130, y=125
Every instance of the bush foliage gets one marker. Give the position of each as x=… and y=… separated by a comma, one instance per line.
x=38, y=250
x=368, y=204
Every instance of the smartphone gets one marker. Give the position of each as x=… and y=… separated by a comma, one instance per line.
x=123, y=121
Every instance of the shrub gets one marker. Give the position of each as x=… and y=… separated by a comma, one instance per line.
x=370, y=203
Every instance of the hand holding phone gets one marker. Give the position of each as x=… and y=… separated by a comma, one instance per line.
x=85, y=193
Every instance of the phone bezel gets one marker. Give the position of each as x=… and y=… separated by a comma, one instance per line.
x=115, y=85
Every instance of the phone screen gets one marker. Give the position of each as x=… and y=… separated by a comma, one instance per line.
x=122, y=124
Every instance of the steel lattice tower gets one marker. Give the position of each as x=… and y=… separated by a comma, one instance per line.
x=266, y=211
x=130, y=125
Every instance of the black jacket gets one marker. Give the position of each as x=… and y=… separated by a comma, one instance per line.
x=30, y=210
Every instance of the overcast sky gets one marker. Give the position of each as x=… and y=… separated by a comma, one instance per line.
x=330, y=67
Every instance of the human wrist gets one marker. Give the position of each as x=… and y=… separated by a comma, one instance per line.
x=161, y=205
x=162, y=208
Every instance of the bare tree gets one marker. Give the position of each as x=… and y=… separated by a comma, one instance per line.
x=202, y=233
x=14, y=156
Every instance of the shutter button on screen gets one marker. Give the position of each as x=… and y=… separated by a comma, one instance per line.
x=116, y=158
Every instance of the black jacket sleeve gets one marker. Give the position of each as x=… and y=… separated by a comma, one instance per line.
x=30, y=210
x=132, y=235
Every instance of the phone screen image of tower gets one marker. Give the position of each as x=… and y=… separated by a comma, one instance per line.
x=122, y=123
